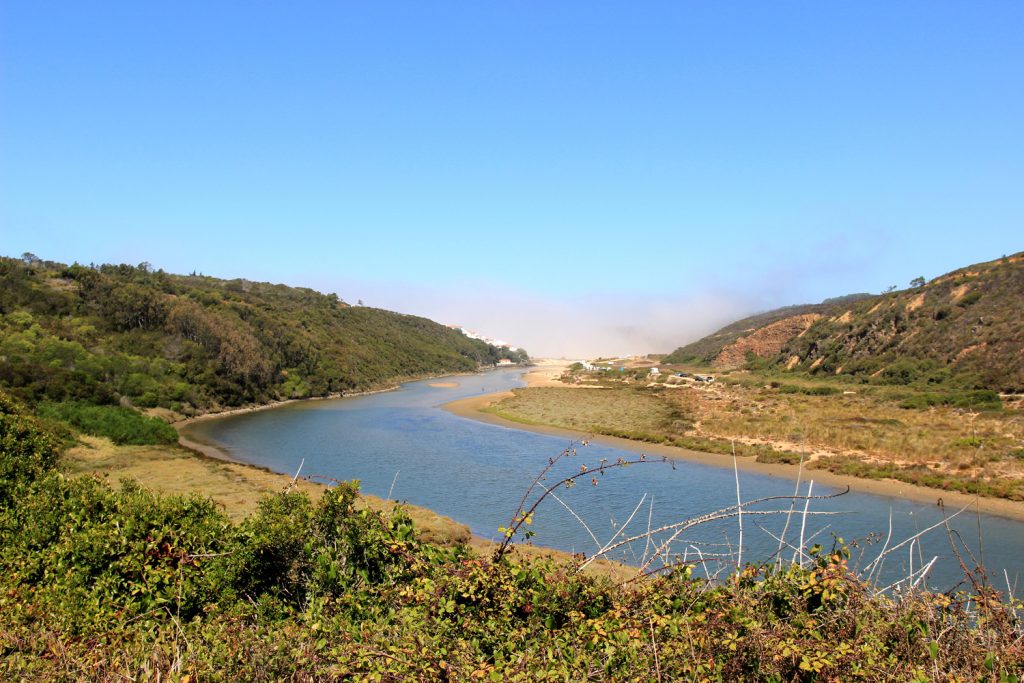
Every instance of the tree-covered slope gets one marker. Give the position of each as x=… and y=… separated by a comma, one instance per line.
x=966, y=326
x=112, y=334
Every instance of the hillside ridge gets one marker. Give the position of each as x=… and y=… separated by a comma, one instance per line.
x=966, y=325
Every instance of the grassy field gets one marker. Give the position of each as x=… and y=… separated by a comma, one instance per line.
x=850, y=429
x=588, y=410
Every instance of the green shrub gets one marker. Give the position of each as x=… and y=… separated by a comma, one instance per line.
x=784, y=457
x=818, y=390
x=904, y=371
x=92, y=558
x=123, y=426
x=755, y=362
x=978, y=399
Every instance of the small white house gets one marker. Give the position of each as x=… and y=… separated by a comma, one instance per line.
x=655, y=371
x=504, y=361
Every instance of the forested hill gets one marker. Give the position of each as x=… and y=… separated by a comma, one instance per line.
x=129, y=334
x=966, y=326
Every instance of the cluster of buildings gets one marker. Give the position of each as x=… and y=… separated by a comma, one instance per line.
x=493, y=342
x=476, y=335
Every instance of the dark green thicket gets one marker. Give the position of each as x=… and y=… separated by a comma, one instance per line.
x=123, y=426
x=983, y=399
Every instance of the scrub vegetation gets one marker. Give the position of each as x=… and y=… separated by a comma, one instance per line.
x=210, y=571
x=107, y=584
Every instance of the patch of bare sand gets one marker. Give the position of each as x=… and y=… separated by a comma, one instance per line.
x=546, y=373
x=443, y=385
x=844, y=318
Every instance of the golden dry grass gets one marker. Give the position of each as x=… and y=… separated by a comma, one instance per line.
x=858, y=424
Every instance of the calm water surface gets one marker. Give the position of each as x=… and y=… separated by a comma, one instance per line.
x=402, y=442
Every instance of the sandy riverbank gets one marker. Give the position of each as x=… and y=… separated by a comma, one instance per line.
x=473, y=406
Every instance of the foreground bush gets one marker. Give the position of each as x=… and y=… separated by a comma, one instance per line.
x=98, y=584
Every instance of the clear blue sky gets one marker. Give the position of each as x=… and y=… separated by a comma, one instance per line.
x=575, y=177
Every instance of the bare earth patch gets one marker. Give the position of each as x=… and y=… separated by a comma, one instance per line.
x=915, y=303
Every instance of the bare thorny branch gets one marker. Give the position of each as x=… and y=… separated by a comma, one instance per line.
x=524, y=514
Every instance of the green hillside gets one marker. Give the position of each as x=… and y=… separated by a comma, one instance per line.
x=125, y=334
x=966, y=327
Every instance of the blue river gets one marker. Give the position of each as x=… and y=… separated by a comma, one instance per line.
x=402, y=444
